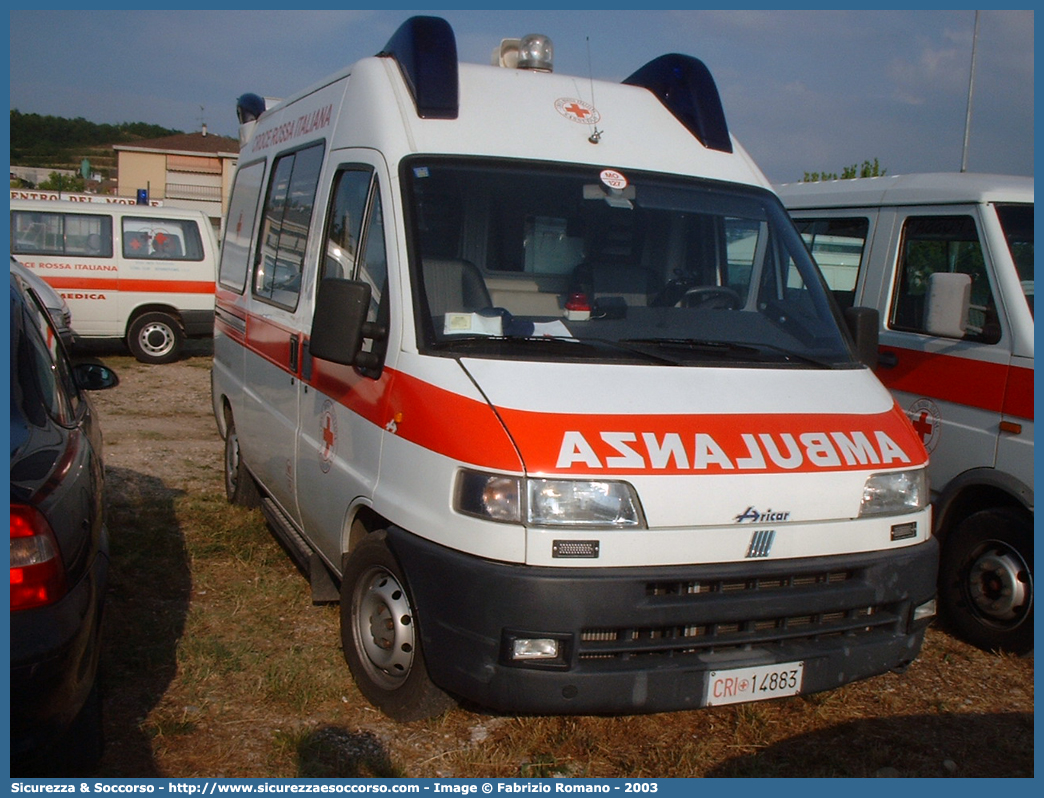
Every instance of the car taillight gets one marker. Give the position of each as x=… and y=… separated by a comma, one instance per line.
x=37, y=573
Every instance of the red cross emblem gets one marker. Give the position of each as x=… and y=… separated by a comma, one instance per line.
x=577, y=110
x=927, y=422
x=923, y=426
x=327, y=436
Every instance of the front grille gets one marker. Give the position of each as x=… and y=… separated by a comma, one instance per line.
x=713, y=628
x=775, y=582
x=673, y=641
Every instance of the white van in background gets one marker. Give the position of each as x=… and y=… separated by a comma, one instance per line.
x=135, y=272
x=535, y=376
x=947, y=259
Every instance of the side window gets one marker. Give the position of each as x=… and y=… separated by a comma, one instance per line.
x=837, y=246
x=79, y=234
x=942, y=244
x=354, y=250
x=344, y=222
x=1017, y=222
x=47, y=371
x=161, y=239
x=742, y=238
x=373, y=264
x=239, y=228
x=284, y=226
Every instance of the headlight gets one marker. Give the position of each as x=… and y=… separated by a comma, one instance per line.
x=548, y=502
x=564, y=502
x=895, y=493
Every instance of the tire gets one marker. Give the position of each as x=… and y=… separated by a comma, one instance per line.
x=155, y=338
x=240, y=487
x=986, y=580
x=381, y=638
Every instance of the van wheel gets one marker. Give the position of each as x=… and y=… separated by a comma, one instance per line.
x=240, y=487
x=155, y=338
x=380, y=637
x=986, y=580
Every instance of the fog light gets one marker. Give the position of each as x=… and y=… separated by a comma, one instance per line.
x=926, y=610
x=534, y=648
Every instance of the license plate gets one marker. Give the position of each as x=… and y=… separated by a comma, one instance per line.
x=754, y=684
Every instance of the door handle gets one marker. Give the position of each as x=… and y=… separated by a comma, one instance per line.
x=888, y=360
x=293, y=353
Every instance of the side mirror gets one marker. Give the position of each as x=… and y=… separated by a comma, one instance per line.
x=947, y=303
x=94, y=376
x=339, y=324
x=863, y=324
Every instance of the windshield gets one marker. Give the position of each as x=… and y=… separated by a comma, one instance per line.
x=550, y=262
x=1017, y=222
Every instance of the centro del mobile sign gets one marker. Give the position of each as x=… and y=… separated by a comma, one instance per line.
x=105, y=199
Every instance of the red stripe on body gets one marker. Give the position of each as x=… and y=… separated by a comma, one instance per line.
x=994, y=387
x=141, y=286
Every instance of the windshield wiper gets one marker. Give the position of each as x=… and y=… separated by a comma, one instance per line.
x=546, y=340
x=698, y=345
x=730, y=349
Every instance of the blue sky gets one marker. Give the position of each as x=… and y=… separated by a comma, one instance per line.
x=803, y=90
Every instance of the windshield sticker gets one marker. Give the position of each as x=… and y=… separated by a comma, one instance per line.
x=613, y=179
x=577, y=111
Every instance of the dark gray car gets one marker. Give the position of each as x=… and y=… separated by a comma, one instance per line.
x=59, y=547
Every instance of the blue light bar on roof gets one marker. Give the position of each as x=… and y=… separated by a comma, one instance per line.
x=426, y=52
x=686, y=88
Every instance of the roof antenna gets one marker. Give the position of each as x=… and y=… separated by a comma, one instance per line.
x=596, y=135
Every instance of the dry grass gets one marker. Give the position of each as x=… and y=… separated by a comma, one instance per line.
x=217, y=663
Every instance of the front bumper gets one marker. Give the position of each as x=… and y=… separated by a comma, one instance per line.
x=645, y=639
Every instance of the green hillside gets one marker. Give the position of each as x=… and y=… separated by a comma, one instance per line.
x=58, y=143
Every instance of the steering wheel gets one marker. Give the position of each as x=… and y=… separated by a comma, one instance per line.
x=715, y=297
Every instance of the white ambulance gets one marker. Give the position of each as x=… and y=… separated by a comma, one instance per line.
x=136, y=272
x=947, y=259
x=537, y=378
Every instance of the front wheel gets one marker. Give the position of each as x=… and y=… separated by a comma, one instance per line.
x=240, y=487
x=380, y=637
x=155, y=338
x=986, y=580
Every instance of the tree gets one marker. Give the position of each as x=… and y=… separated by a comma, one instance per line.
x=868, y=169
x=57, y=182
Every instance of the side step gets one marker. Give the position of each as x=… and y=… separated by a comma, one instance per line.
x=324, y=588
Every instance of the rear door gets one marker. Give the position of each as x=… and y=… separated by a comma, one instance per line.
x=273, y=339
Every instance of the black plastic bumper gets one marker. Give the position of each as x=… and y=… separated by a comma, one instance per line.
x=198, y=323
x=645, y=639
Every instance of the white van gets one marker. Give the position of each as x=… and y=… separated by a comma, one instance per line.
x=135, y=272
x=538, y=379
x=947, y=259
